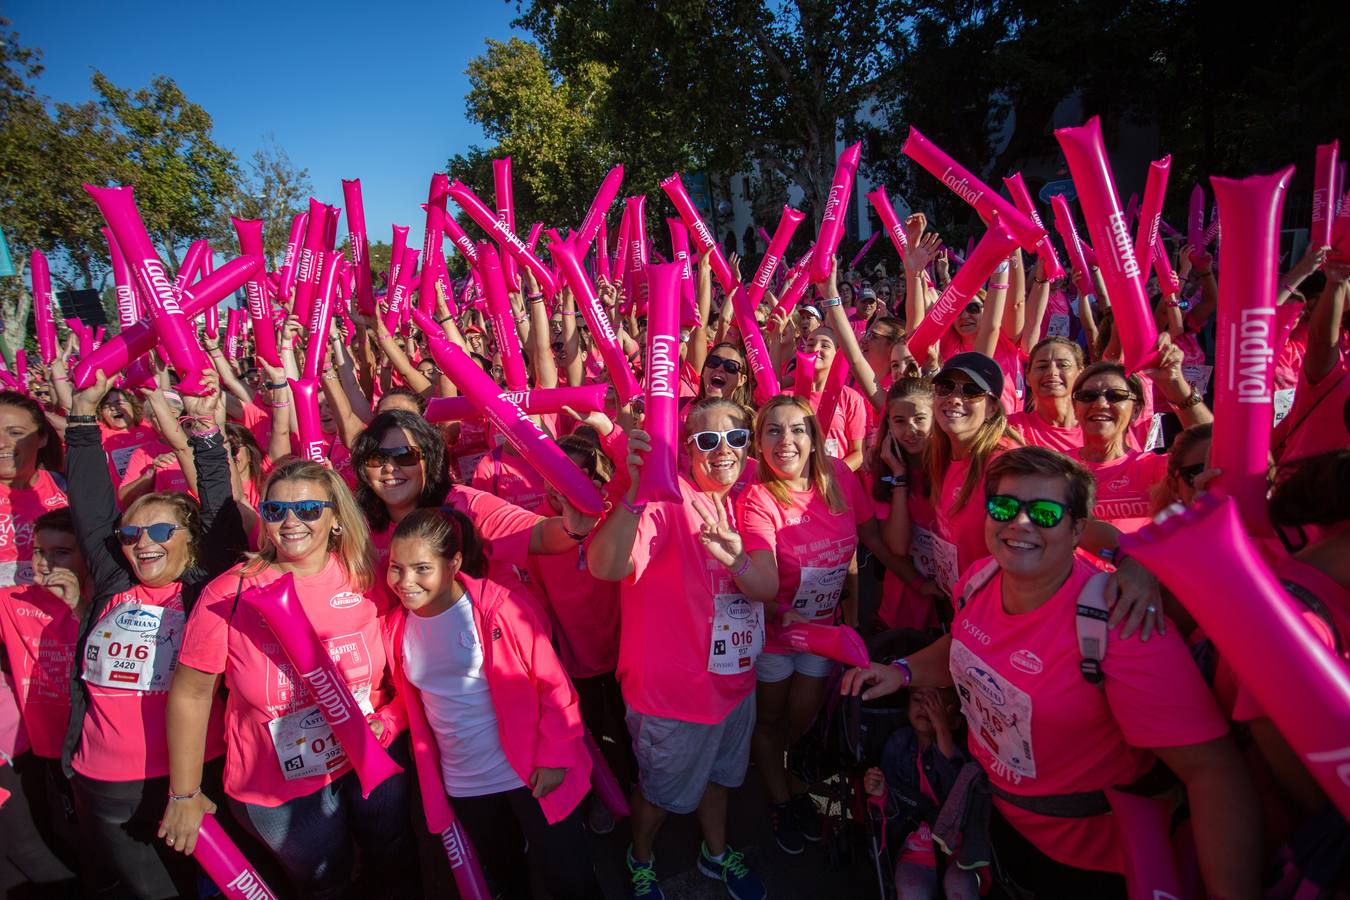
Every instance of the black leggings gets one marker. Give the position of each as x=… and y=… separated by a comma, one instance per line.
x=602, y=712
x=1047, y=879
x=500, y=825
x=37, y=831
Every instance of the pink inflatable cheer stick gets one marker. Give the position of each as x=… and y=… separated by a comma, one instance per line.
x=601, y=269
x=539, y=449
x=1212, y=230
x=128, y=303
x=1340, y=231
x=796, y=288
x=330, y=224
x=1143, y=827
x=1195, y=219
x=99, y=334
x=636, y=277
x=992, y=249
x=42, y=307
x=506, y=214
x=658, y=479
x=290, y=263
x=197, y=255
x=1168, y=281
x=234, y=324
x=499, y=313
x=597, y=320
x=895, y=230
x=698, y=229
x=359, y=243
x=250, y=235
x=321, y=315
x=1045, y=248
x=756, y=353
x=804, y=375
x=211, y=318
x=1086, y=155
x=863, y=252
x=21, y=368
x=280, y=607
x=595, y=216
x=829, y=397
x=463, y=243
x=432, y=240
x=1131, y=208
x=837, y=642
x=1150, y=214
x=1244, y=367
x=307, y=272
x=1073, y=245
x=1298, y=681
x=621, y=252
x=397, y=298
x=971, y=189
x=220, y=858
x=313, y=445
x=782, y=236
x=679, y=249
x=836, y=210
x=173, y=326
x=486, y=220
x=541, y=401
x=603, y=782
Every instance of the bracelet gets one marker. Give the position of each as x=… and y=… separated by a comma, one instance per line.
x=1001, y=286
x=536, y=297
x=1110, y=554
x=903, y=665
x=442, y=321
x=1193, y=399
x=1041, y=280
x=59, y=378
x=283, y=403
x=81, y=420
x=830, y=301
x=195, y=792
x=578, y=537
x=204, y=435
x=276, y=387
x=743, y=567
x=634, y=508
x=896, y=480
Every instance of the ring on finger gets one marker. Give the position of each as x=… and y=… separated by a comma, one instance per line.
x=1152, y=610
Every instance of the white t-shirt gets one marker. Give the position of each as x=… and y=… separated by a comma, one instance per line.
x=443, y=659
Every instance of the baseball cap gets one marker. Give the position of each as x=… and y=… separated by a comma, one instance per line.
x=869, y=294
x=810, y=310
x=978, y=368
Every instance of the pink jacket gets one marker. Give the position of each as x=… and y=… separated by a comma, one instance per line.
x=538, y=716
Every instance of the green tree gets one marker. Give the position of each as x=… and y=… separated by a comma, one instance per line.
x=271, y=188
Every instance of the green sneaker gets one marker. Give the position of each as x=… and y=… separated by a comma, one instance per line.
x=731, y=870
x=642, y=879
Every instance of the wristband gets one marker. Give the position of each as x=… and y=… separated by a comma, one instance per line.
x=195, y=792
x=578, y=537
x=276, y=387
x=1111, y=555
x=743, y=567
x=535, y=298
x=1195, y=398
x=81, y=420
x=1041, y=280
x=830, y=301
x=903, y=665
x=1001, y=286
x=444, y=320
x=896, y=480
x=634, y=508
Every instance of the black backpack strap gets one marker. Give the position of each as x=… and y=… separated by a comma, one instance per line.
x=1090, y=618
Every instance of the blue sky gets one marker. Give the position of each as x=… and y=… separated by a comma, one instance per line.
x=349, y=90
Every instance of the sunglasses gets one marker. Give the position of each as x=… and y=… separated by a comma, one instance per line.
x=730, y=366
x=1042, y=513
x=399, y=456
x=305, y=510
x=707, y=441
x=1113, y=396
x=974, y=308
x=160, y=532
x=945, y=387
x=1188, y=473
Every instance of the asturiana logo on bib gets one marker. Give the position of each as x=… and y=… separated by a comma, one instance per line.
x=345, y=600
x=138, y=620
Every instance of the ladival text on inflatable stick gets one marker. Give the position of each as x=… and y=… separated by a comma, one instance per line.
x=756, y=353
x=485, y=219
x=971, y=189
x=432, y=240
x=1073, y=245
x=782, y=236
x=290, y=263
x=234, y=332
x=699, y=231
x=836, y=211
x=503, y=322
x=250, y=235
x=321, y=315
x=538, y=449
x=1086, y=154
x=164, y=303
x=1324, y=194
x=636, y=277
x=193, y=260
x=1150, y=214
x=307, y=272
x=658, y=479
x=128, y=303
x=222, y=862
x=992, y=249
x=595, y=216
x=597, y=320
x=679, y=250
x=315, y=670
x=1244, y=366
x=396, y=255
x=42, y=306
x=359, y=243
x=464, y=244
x=1300, y=683
x=504, y=197
x=1045, y=248
x=584, y=399
x=305, y=394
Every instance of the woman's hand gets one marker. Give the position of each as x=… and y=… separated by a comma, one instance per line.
x=206, y=411
x=891, y=456
x=915, y=226
x=63, y=584
x=545, y=780
x=639, y=445
x=1134, y=597
x=718, y=535
x=877, y=680
x=602, y=423
x=923, y=251
x=86, y=401
x=574, y=520
x=182, y=820
x=1167, y=372
x=874, y=782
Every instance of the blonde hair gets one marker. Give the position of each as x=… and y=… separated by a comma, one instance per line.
x=820, y=470
x=352, y=544
x=992, y=432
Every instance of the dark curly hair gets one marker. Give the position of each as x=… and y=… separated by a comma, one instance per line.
x=436, y=485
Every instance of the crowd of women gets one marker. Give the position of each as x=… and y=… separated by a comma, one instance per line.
x=969, y=502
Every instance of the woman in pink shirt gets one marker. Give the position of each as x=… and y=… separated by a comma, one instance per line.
x=1055, y=364
x=30, y=466
x=1106, y=404
x=496, y=725
x=1317, y=421
x=148, y=570
x=287, y=778
x=1038, y=727
x=844, y=433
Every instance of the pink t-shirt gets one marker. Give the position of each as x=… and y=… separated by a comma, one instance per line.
x=169, y=478
x=901, y=606
x=265, y=695
x=1123, y=487
x=849, y=423
x=469, y=448
x=128, y=665
x=1036, y=432
x=1316, y=421
x=811, y=545
x=39, y=633
x=507, y=475
x=19, y=509
x=583, y=609
x=1037, y=727
x=958, y=537
x=669, y=604
x=120, y=443
x=1010, y=358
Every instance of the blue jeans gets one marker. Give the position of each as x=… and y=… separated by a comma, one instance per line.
x=312, y=836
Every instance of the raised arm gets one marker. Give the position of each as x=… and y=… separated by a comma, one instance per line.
x=837, y=319
x=1324, y=328
x=94, y=505
x=1038, y=302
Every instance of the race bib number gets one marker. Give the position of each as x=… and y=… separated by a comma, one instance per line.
x=1058, y=327
x=305, y=745
x=1155, y=434
x=832, y=448
x=467, y=465
x=1197, y=376
x=121, y=458
x=818, y=593
x=737, y=634
x=20, y=572
x=946, y=565
x=998, y=712
x=922, y=552
x=1284, y=401
x=134, y=648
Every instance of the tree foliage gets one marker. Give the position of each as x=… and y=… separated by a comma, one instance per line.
x=271, y=188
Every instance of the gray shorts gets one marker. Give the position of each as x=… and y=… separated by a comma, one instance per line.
x=771, y=668
x=677, y=760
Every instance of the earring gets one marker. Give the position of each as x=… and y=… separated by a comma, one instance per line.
x=337, y=530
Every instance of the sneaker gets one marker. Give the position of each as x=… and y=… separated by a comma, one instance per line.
x=642, y=879
x=785, y=829
x=599, y=819
x=732, y=871
x=808, y=817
